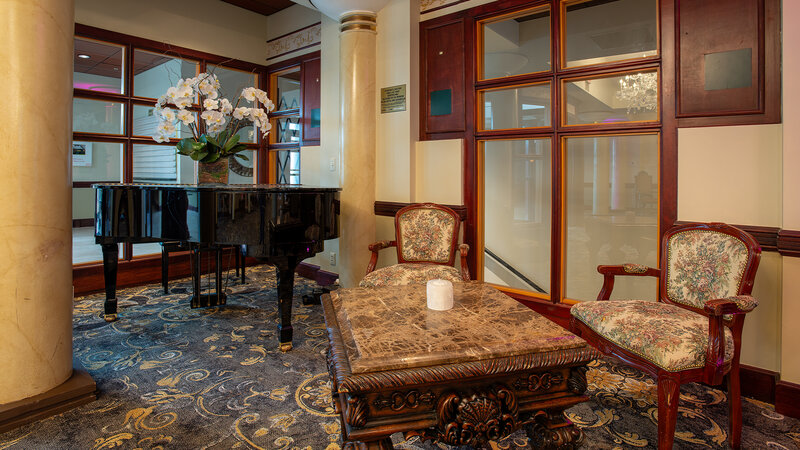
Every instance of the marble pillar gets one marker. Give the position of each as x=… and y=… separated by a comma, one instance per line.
x=358, y=123
x=36, y=218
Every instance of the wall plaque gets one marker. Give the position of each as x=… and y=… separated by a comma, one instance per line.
x=393, y=99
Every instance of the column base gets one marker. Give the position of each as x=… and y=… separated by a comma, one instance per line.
x=78, y=390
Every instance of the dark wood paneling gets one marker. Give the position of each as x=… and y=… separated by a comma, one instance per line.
x=758, y=383
x=787, y=399
x=767, y=237
x=789, y=242
x=442, y=47
x=80, y=223
x=389, y=209
x=707, y=27
x=264, y=7
x=310, y=79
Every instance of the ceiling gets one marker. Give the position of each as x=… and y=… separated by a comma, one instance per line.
x=265, y=7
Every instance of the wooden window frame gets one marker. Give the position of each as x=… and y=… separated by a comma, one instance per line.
x=88, y=277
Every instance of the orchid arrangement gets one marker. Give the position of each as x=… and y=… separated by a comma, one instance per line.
x=223, y=119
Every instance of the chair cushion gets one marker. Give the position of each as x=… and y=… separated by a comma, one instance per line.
x=671, y=337
x=426, y=234
x=704, y=265
x=400, y=274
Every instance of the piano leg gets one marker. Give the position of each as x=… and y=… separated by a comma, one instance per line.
x=110, y=261
x=285, y=293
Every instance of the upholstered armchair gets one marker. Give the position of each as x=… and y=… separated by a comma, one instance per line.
x=694, y=331
x=426, y=236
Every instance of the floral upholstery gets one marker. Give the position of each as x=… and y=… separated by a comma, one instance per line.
x=704, y=265
x=634, y=268
x=668, y=336
x=400, y=274
x=426, y=234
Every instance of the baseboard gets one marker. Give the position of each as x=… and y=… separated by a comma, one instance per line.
x=787, y=399
x=313, y=272
x=78, y=390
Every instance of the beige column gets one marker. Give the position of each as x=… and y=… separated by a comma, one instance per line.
x=358, y=122
x=36, y=237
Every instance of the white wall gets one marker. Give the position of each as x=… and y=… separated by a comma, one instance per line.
x=208, y=25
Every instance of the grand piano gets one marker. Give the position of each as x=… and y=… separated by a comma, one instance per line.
x=278, y=224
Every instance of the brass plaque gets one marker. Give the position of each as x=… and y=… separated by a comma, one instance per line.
x=393, y=99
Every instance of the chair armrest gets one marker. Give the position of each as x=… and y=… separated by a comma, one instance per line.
x=464, y=249
x=632, y=270
x=739, y=304
x=375, y=247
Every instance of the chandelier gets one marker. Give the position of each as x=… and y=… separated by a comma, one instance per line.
x=639, y=91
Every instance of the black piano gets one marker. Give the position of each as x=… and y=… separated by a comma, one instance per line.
x=279, y=224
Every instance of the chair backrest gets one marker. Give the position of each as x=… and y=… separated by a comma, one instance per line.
x=426, y=233
x=702, y=262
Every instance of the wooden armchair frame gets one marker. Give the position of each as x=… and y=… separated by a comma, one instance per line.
x=462, y=248
x=716, y=310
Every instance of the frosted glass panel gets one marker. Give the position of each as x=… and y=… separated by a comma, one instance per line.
x=522, y=107
x=97, y=116
x=621, y=98
x=516, y=45
x=517, y=187
x=161, y=164
x=611, y=212
x=600, y=31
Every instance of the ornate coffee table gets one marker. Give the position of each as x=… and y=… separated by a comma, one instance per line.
x=475, y=373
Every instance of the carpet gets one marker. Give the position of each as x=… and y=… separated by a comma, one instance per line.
x=171, y=377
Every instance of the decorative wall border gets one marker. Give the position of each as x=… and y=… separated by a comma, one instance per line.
x=296, y=40
x=427, y=6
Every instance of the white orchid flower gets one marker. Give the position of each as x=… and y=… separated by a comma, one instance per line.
x=182, y=102
x=269, y=105
x=249, y=94
x=215, y=128
x=185, y=116
x=225, y=106
x=258, y=115
x=158, y=137
x=210, y=104
x=165, y=128
x=213, y=118
x=241, y=112
x=168, y=115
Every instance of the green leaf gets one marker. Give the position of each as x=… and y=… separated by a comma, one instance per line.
x=212, y=157
x=241, y=156
x=237, y=148
x=212, y=141
x=198, y=156
x=231, y=143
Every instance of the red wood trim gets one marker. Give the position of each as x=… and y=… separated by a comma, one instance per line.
x=758, y=383
x=789, y=242
x=787, y=399
x=81, y=223
x=88, y=278
x=293, y=32
x=295, y=61
x=389, y=209
x=557, y=312
x=767, y=237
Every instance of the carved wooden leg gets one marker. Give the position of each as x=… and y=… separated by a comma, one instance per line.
x=383, y=444
x=285, y=268
x=668, y=393
x=735, y=408
x=551, y=430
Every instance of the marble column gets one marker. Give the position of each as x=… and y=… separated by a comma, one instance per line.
x=36, y=217
x=358, y=125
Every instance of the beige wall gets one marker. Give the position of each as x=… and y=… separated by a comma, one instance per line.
x=790, y=332
x=207, y=25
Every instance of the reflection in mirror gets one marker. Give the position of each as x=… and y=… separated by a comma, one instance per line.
x=288, y=89
x=98, y=66
x=516, y=44
x=611, y=201
x=154, y=73
x=516, y=211
x=92, y=162
x=620, y=98
x=600, y=31
x=521, y=107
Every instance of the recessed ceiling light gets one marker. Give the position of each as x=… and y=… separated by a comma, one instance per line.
x=83, y=56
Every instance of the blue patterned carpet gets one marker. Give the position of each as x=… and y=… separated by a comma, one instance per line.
x=180, y=378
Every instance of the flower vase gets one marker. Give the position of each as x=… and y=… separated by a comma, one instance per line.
x=213, y=173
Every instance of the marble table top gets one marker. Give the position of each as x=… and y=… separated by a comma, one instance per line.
x=387, y=328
